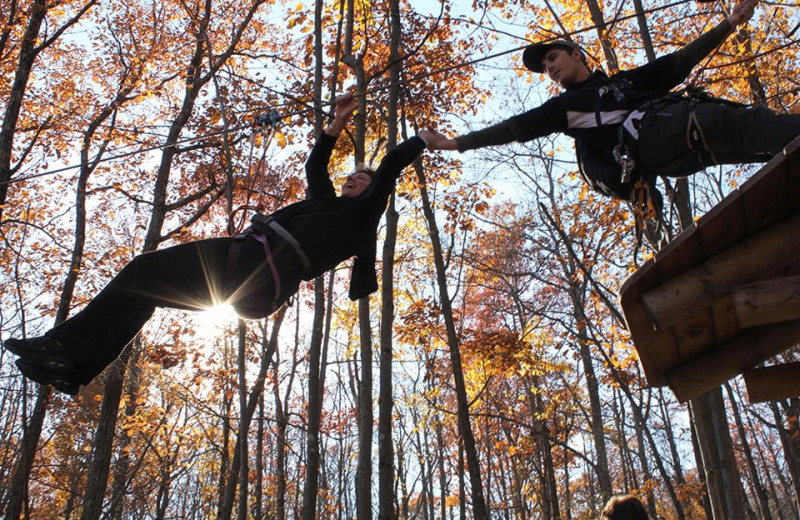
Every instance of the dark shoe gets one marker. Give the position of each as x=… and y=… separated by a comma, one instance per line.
x=61, y=381
x=42, y=350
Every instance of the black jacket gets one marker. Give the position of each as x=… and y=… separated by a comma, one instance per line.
x=591, y=111
x=332, y=229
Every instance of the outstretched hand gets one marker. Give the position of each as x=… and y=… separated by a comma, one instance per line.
x=437, y=141
x=346, y=104
x=742, y=12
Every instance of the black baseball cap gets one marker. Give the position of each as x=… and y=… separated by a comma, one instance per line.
x=534, y=53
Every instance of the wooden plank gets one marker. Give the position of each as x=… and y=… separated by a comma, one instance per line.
x=723, y=226
x=792, y=147
x=682, y=253
x=793, y=179
x=694, y=335
x=641, y=279
x=656, y=349
x=678, y=298
x=769, y=301
x=765, y=197
x=789, y=157
x=709, y=370
x=726, y=326
x=773, y=383
x=764, y=170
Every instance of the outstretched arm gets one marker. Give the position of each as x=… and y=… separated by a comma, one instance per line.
x=437, y=140
x=317, y=176
x=346, y=105
x=672, y=69
x=544, y=120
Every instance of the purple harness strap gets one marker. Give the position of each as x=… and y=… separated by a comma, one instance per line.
x=275, y=276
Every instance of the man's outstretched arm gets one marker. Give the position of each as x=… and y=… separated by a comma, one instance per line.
x=672, y=69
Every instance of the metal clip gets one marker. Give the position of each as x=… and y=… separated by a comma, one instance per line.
x=268, y=119
x=620, y=154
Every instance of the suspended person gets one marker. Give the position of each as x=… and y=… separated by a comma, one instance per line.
x=629, y=126
x=255, y=272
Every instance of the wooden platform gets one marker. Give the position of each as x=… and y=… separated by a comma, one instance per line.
x=724, y=295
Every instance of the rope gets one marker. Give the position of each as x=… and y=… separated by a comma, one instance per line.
x=269, y=122
x=379, y=89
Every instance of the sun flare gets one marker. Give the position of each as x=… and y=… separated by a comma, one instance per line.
x=211, y=323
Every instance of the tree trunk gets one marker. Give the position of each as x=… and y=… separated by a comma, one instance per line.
x=639, y=427
x=104, y=439
x=385, y=399
x=246, y=416
x=314, y=352
x=464, y=427
x=18, y=496
x=550, y=508
x=713, y=437
x=121, y=477
x=258, y=507
x=244, y=421
x=593, y=389
x=225, y=433
x=790, y=439
x=365, y=418
x=605, y=42
x=669, y=431
x=440, y=448
x=281, y=445
x=644, y=32
x=760, y=492
x=365, y=390
x=314, y=404
x=27, y=55
x=462, y=488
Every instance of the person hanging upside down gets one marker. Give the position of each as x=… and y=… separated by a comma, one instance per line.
x=629, y=126
x=255, y=272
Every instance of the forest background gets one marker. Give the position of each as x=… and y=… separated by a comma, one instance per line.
x=490, y=377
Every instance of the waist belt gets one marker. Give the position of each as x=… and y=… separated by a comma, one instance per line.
x=259, y=221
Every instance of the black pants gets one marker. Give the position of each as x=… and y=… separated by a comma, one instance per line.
x=191, y=276
x=733, y=135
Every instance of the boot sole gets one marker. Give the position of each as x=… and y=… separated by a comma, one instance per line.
x=44, y=376
x=54, y=362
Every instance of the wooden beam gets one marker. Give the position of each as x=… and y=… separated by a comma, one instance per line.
x=726, y=360
x=773, y=383
x=697, y=288
x=767, y=302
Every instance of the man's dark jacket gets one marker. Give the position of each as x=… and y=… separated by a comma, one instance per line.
x=592, y=111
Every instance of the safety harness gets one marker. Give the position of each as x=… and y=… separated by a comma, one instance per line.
x=646, y=202
x=261, y=225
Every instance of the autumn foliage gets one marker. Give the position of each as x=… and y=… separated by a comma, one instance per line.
x=128, y=126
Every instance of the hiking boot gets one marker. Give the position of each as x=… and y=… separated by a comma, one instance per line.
x=44, y=351
x=61, y=381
